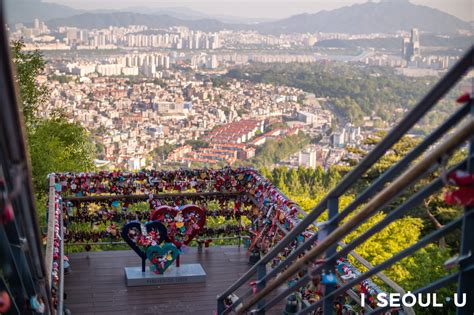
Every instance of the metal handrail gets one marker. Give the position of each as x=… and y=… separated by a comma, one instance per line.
x=451, y=226
x=23, y=232
x=124, y=243
x=50, y=232
x=392, y=216
x=61, y=265
x=436, y=93
x=404, y=162
x=183, y=195
x=54, y=205
x=368, y=265
x=409, y=176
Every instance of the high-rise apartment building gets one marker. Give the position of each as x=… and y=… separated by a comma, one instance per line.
x=411, y=47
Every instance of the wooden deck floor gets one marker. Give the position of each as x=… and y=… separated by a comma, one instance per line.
x=96, y=283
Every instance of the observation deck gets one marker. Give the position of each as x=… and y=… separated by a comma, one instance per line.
x=96, y=283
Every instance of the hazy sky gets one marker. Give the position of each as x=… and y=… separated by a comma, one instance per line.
x=463, y=9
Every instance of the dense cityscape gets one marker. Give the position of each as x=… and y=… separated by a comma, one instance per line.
x=153, y=97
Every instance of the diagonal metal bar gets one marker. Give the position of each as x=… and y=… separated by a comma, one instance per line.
x=404, y=162
x=396, y=258
x=429, y=288
x=301, y=249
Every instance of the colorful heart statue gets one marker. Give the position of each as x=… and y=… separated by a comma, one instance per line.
x=182, y=225
x=162, y=256
x=140, y=237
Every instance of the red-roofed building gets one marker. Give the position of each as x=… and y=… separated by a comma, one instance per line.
x=236, y=132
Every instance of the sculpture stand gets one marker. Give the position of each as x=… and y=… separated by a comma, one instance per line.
x=186, y=273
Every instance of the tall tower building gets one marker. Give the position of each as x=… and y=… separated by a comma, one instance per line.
x=411, y=47
x=415, y=42
x=405, y=47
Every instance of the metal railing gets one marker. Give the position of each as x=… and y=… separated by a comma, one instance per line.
x=374, y=198
x=55, y=237
x=23, y=273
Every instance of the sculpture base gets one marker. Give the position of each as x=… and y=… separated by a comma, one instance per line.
x=186, y=273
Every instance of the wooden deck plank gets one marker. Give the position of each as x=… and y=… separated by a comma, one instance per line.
x=96, y=283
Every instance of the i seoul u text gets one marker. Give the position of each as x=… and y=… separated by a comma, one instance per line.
x=410, y=299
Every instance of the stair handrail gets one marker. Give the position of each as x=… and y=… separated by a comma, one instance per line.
x=413, y=116
x=409, y=176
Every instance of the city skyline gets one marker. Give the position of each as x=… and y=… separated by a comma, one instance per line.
x=260, y=9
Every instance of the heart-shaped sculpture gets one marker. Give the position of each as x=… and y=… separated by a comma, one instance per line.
x=133, y=235
x=161, y=256
x=182, y=225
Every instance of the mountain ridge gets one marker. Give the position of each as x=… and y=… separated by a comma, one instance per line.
x=104, y=20
x=25, y=11
x=387, y=16
x=370, y=17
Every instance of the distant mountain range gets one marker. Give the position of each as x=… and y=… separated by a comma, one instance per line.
x=190, y=14
x=370, y=17
x=28, y=10
x=103, y=20
x=387, y=16
x=25, y=11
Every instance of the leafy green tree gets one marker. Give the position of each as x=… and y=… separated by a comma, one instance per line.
x=412, y=272
x=55, y=145
x=196, y=144
x=274, y=151
x=29, y=65
x=162, y=152
x=59, y=146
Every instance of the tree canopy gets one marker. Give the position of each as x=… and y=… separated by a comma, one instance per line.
x=54, y=144
x=29, y=65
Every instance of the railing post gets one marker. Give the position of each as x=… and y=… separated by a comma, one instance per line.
x=333, y=209
x=261, y=273
x=60, y=292
x=51, y=221
x=466, y=285
x=220, y=306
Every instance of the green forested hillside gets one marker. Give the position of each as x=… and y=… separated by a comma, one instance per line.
x=354, y=90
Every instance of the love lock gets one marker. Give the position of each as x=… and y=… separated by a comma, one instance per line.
x=328, y=278
x=6, y=213
x=5, y=301
x=463, y=196
x=37, y=304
